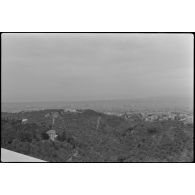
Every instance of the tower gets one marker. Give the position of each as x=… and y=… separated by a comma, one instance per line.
x=98, y=122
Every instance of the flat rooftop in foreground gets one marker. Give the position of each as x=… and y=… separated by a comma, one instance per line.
x=10, y=156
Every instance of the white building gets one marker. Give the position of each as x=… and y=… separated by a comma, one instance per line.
x=24, y=121
x=52, y=134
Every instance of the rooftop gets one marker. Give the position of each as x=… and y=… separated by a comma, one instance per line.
x=10, y=156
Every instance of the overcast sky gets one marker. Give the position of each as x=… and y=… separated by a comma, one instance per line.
x=51, y=67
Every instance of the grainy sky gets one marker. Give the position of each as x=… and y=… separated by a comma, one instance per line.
x=51, y=67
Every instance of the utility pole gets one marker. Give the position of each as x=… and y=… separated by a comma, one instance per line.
x=53, y=120
x=98, y=122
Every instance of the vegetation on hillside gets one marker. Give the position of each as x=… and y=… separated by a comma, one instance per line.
x=79, y=140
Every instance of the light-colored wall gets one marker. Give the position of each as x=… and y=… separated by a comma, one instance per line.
x=10, y=156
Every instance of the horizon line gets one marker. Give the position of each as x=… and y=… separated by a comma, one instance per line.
x=91, y=100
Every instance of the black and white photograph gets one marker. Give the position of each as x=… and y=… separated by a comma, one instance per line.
x=97, y=97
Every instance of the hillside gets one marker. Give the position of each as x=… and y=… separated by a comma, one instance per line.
x=79, y=139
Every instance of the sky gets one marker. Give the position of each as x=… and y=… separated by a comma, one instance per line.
x=95, y=66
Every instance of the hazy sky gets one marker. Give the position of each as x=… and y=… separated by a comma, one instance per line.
x=50, y=67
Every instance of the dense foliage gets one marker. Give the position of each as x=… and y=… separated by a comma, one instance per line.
x=79, y=140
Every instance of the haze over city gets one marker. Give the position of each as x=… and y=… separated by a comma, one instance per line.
x=76, y=67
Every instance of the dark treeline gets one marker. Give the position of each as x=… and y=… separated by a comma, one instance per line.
x=115, y=140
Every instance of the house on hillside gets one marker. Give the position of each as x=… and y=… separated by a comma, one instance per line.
x=52, y=135
x=24, y=121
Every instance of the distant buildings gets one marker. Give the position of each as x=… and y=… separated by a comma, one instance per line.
x=151, y=117
x=186, y=118
x=172, y=116
x=125, y=116
x=71, y=110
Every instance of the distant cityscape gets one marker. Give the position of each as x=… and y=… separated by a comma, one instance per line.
x=123, y=108
x=184, y=117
